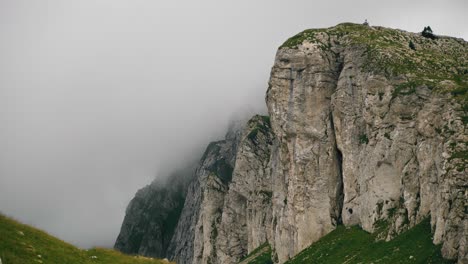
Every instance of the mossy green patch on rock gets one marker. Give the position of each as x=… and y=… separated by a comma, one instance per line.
x=298, y=39
x=258, y=124
x=363, y=139
x=461, y=159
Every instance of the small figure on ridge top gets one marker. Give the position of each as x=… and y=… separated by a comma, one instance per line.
x=366, y=23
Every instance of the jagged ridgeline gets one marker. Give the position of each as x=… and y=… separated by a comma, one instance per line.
x=366, y=130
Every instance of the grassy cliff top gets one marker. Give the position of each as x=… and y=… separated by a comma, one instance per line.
x=23, y=244
x=440, y=63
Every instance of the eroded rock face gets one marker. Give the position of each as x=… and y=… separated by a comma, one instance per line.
x=363, y=130
x=168, y=216
x=393, y=149
x=306, y=171
x=246, y=218
x=152, y=215
x=228, y=209
x=195, y=237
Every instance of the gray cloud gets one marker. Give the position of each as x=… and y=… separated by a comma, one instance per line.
x=99, y=97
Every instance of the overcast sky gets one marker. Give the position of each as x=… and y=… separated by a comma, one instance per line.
x=99, y=97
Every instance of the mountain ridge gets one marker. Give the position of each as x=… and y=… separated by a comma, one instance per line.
x=366, y=124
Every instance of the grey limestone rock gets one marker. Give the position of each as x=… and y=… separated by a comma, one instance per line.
x=362, y=129
x=362, y=138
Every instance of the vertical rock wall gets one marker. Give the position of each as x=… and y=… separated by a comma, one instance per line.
x=195, y=237
x=354, y=146
x=353, y=137
x=307, y=178
x=247, y=210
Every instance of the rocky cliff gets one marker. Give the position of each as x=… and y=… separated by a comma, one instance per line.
x=152, y=215
x=197, y=230
x=246, y=218
x=370, y=130
x=367, y=127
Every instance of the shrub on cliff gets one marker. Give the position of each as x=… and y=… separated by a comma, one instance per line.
x=427, y=33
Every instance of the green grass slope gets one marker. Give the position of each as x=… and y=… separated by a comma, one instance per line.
x=354, y=245
x=22, y=244
x=261, y=255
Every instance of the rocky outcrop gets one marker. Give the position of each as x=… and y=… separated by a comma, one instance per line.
x=195, y=238
x=367, y=127
x=228, y=207
x=152, y=215
x=246, y=218
x=365, y=138
x=307, y=176
x=166, y=217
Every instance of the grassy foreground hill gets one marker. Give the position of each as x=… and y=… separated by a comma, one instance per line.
x=22, y=244
x=353, y=245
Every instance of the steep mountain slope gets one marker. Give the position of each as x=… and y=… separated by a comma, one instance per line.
x=165, y=217
x=22, y=244
x=152, y=216
x=367, y=127
x=247, y=208
x=197, y=228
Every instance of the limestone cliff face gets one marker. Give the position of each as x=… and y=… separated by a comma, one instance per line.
x=364, y=129
x=227, y=212
x=227, y=206
x=306, y=172
x=369, y=130
x=246, y=219
x=195, y=237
